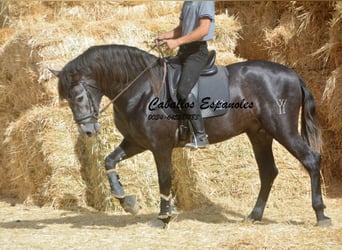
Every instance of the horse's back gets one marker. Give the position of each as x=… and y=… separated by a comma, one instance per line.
x=260, y=66
x=263, y=75
x=272, y=87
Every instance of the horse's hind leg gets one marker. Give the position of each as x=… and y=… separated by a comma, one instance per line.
x=311, y=161
x=262, y=147
x=123, y=151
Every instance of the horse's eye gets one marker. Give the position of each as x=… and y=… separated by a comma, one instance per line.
x=79, y=99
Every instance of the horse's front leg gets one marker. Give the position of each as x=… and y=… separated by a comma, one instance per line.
x=123, y=151
x=162, y=157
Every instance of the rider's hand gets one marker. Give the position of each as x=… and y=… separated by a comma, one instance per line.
x=158, y=41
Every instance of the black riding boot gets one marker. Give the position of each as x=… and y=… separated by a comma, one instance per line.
x=200, y=138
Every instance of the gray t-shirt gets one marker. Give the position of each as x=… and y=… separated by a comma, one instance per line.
x=191, y=14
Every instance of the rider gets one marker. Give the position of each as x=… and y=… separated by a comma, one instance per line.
x=195, y=28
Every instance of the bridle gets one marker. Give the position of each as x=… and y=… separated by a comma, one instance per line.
x=94, y=113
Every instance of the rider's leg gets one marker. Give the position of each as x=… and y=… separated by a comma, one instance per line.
x=194, y=59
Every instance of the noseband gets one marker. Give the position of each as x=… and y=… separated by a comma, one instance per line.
x=94, y=113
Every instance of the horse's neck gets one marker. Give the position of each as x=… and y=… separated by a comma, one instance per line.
x=129, y=80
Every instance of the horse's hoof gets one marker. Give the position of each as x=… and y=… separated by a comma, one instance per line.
x=165, y=218
x=250, y=219
x=158, y=223
x=129, y=204
x=326, y=222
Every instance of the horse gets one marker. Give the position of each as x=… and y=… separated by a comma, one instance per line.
x=133, y=78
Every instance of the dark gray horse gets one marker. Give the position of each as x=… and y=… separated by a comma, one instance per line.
x=134, y=78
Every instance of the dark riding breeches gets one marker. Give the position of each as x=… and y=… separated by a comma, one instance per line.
x=194, y=57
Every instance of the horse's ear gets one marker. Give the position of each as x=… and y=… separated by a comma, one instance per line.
x=76, y=77
x=55, y=72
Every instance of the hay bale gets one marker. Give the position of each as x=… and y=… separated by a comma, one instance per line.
x=226, y=39
x=330, y=52
x=254, y=17
x=39, y=159
x=206, y=176
x=4, y=13
x=18, y=76
x=332, y=146
x=187, y=188
x=278, y=39
x=6, y=35
x=332, y=97
x=49, y=164
x=138, y=174
x=19, y=89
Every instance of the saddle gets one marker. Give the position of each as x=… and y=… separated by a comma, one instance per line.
x=174, y=69
x=211, y=88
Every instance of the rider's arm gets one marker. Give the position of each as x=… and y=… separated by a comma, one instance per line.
x=172, y=34
x=196, y=35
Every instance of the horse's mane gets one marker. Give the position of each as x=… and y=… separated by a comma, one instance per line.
x=112, y=66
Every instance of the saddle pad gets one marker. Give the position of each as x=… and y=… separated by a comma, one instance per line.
x=212, y=91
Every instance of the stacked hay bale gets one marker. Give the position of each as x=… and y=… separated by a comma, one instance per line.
x=18, y=82
x=331, y=53
x=254, y=18
x=39, y=158
x=44, y=162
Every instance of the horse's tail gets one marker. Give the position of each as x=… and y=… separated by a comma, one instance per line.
x=309, y=128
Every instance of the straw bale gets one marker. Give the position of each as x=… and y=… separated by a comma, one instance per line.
x=330, y=53
x=19, y=89
x=281, y=31
x=203, y=177
x=6, y=35
x=312, y=18
x=187, y=188
x=226, y=39
x=47, y=163
x=4, y=13
x=292, y=41
x=138, y=174
x=278, y=39
x=132, y=3
x=332, y=94
x=18, y=74
x=39, y=158
x=332, y=148
x=332, y=157
x=254, y=17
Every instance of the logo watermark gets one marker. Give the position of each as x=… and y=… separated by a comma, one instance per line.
x=282, y=106
x=157, y=104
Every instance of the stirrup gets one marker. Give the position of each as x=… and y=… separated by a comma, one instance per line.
x=199, y=141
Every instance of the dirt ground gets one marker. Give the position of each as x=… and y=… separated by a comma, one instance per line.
x=219, y=226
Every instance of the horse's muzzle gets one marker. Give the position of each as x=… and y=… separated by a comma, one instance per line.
x=89, y=129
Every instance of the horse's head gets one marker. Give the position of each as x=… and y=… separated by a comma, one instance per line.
x=83, y=97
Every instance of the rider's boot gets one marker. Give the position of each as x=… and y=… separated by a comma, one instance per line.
x=200, y=138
